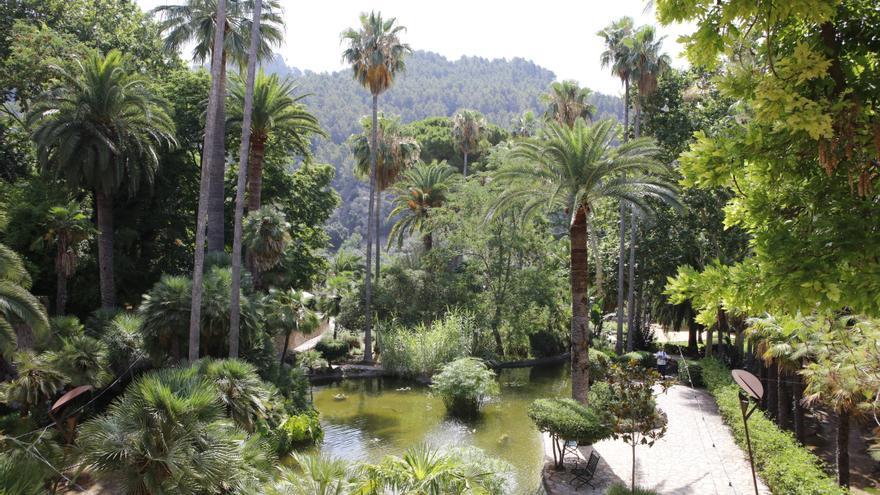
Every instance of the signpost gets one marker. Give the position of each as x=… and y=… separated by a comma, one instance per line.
x=751, y=389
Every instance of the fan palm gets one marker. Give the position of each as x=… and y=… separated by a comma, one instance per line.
x=266, y=236
x=66, y=226
x=101, y=131
x=425, y=471
x=193, y=22
x=277, y=111
x=16, y=303
x=83, y=360
x=395, y=153
x=643, y=50
x=241, y=391
x=37, y=382
x=423, y=187
x=616, y=56
x=291, y=311
x=316, y=475
x=376, y=55
x=566, y=102
x=468, y=127
x=526, y=125
x=569, y=171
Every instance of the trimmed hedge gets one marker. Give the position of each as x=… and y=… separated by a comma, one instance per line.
x=783, y=464
x=570, y=420
x=331, y=349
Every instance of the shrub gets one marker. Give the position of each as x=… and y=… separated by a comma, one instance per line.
x=545, y=343
x=311, y=360
x=425, y=349
x=691, y=371
x=643, y=358
x=332, y=349
x=620, y=489
x=296, y=431
x=464, y=385
x=599, y=364
x=566, y=419
x=783, y=464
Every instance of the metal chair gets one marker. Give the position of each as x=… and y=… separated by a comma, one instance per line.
x=570, y=454
x=584, y=475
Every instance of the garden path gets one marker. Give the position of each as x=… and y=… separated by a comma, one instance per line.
x=698, y=455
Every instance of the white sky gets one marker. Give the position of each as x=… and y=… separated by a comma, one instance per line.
x=559, y=35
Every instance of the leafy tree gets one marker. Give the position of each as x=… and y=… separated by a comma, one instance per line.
x=468, y=127
x=101, y=131
x=278, y=112
x=376, y=55
x=422, y=188
x=66, y=226
x=567, y=419
x=566, y=102
x=194, y=21
x=574, y=168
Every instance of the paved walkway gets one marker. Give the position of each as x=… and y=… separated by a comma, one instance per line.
x=698, y=455
x=312, y=342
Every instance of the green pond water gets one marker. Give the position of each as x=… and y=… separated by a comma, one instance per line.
x=381, y=416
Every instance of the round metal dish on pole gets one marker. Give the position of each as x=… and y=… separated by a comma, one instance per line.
x=751, y=389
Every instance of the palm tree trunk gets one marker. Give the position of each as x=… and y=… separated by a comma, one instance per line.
x=244, y=152
x=783, y=395
x=600, y=275
x=61, y=280
x=255, y=172
x=428, y=241
x=286, y=344
x=630, y=291
x=773, y=391
x=378, y=231
x=709, y=342
x=580, y=315
x=216, y=198
x=799, y=426
x=692, y=338
x=104, y=210
x=621, y=257
x=843, y=449
x=464, y=170
x=368, y=288
x=211, y=126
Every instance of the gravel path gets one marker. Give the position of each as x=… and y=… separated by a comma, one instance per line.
x=697, y=456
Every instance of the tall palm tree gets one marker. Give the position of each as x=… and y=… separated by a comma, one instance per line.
x=616, y=56
x=247, y=108
x=16, y=303
x=567, y=102
x=193, y=22
x=66, y=226
x=277, y=111
x=647, y=64
x=101, y=131
x=468, y=127
x=376, y=55
x=569, y=171
x=422, y=188
x=395, y=153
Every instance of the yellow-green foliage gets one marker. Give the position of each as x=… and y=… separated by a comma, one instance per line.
x=785, y=466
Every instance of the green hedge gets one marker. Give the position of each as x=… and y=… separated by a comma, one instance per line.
x=331, y=349
x=783, y=464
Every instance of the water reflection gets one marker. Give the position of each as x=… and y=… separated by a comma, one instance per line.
x=385, y=416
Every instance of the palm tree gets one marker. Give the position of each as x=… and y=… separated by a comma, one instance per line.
x=526, y=125
x=193, y=22
x=425, y=471
x=16, y=303
x=245, y=148
x=266, y=236
x=468, y=127
x=566, y=102
x=277, y=112
x=616, y=56
x=647, y=65
x=395, y=153
x=82, y=360
x=101, y=131
x=36, y=382
x=291, y=312
x=66, y=226
x=569, y=171
x=376, y=55
x=423, y=187
x=243, y=394
x=317, y=475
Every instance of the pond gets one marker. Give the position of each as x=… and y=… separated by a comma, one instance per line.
x=381, y=416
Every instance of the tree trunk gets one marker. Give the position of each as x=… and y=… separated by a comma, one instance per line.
x=378, y=229
x=368, y=287
x=244, y=152
x=709, y=342
x=61, y=280
x=621, y=257
x=773, y=392
x=723, y=330
x=211, y=128
x=580, y=314
x=692, y=339
x=496, y=322
x=216, y=198
x=630, y=291
x=765, y=382
x=632, y=486
x=783, y=395
x=843, y=449
x=799, y=426
x=428, y=241
x=286, y=344
x=600, y=275
x=464, y=170
x=104, y=207
x=255, y=172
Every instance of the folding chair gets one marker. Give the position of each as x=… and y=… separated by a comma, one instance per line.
x=584, y=475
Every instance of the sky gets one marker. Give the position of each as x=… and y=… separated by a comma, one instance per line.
x=559, y=35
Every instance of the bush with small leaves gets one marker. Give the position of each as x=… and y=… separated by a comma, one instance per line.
x=332, y=349
x=690, y=372
x=567, y=419
x=465, y=384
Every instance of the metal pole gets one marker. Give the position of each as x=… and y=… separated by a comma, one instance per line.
x=743, y=405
